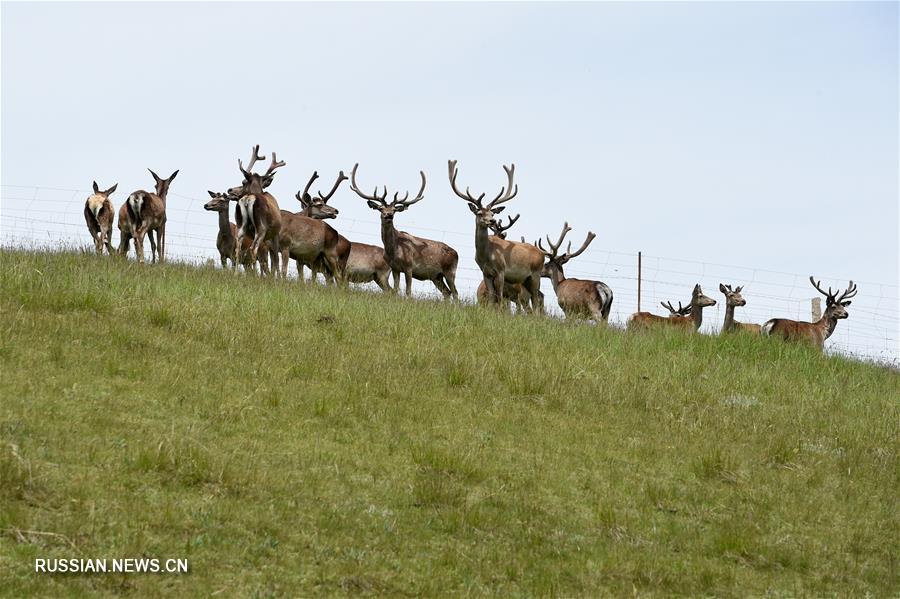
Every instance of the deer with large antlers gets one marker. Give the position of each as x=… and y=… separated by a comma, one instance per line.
x=98, y=214
x=257, y=215
x=734, y=299
x=415, y=257
x=309, y=241
x=501, y=260
x=578, y=298
x=226, y=238
x=362, y=262
x=814, y=332
x=144, y=213
x=513, y=293
x=689, y=317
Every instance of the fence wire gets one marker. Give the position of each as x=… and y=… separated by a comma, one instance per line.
x=47, y=216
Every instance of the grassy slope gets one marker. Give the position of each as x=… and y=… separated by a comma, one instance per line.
x=418, y=448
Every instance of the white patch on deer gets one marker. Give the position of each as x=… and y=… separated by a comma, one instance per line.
x=246, y=205
x=136, y=200
x=95, y=203
x=766, y=329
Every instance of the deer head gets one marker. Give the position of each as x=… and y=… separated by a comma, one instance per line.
x=218, y=203
x=254, y=183
x=162, y=185
x=835, y=305
x=698, y=300
x=484, y=215
x=733, y=297
x=379, y=203
x=556, y=260
x=318, y=207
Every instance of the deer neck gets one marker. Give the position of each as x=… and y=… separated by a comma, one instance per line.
x=729, y=317
x=482, y=243
x=556, y=275
x=696, y=316
x=224, y=224
x=388, y=236
x=827, y=324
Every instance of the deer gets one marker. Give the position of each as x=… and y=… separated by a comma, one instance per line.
x=257, y=214
x=577, y=298
x=513, y=293
x=227, y=236
x=501, y=260
x=734, y=299
x=689, y=317
x=415, y=257
x=99, y=214
x=362, y=262
x=817, y=332
x=318, y=208
x=144, y=213
x=305, y=239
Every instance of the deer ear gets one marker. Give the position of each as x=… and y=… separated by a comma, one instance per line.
x=212, y=194
x=155, y=176
x=172, y=176
x=373, y=205
x=111, y=189
x=96, y=187
x=721, y=287
x=846, y=303
x=473, y=208
x=399, y=207
x=498, y=210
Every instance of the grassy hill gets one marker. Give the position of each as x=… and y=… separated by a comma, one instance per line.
x=296, y=440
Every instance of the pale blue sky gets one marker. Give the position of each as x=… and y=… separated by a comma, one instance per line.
x=757, y=134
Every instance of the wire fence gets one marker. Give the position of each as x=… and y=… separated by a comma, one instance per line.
x=34, y=215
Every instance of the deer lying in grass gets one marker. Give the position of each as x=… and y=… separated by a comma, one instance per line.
x=813, y=332
x=144, y=213
x=415, y=257
x=501, y=260
x=578, y=298
x=513, y=293
x=257, y=215
x=688, y=318
x=99, y=214
x=227, y=237
x=734, y=299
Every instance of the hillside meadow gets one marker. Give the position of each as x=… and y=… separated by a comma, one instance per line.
x=296, y=440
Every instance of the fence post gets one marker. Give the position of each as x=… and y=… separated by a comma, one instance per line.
x=816, y=308
x=639, y=282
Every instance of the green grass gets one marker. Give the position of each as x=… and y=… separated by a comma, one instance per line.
x=295, y=440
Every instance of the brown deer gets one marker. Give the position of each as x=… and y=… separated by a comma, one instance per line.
x=318, y=208
x=513, y=293
x=227, y=236
x=144, y=213
x=257, y=214
x=501, y=260
x=362, y=262
x=734, y=299
x=813, y=332
x=417, y=258
x=99, y=214
x=690, y=317
x=578, y=298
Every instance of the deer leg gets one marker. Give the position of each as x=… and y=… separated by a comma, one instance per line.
x=408, y=276
x=161, y=242
x=274, y=253
x=396, y=287
x=381, y=279
x=499, y=296
x=139, y=246
x=450, y=278
x=533, y=285
x=332, y=263
x=108, y=243
x=285, y=262
x=124, y=242
x=441, y=286
x=152, y=246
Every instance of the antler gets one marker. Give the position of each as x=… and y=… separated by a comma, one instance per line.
x=274, y=165
x=451, y=167
x=587, y=241
x=253, y=160
x=555, y=248
x=499, y=228
x=848, y=293
x=681, y=311
x=404, y=201
x=509, y=192
x=340, y=179
x=301, y=195
x=374, y=197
